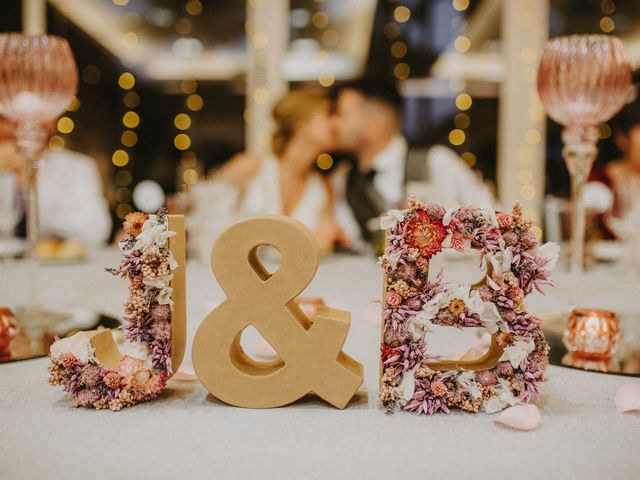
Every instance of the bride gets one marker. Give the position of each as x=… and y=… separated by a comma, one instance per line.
x=284, y=182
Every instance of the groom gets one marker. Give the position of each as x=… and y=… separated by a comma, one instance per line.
x=367, y=121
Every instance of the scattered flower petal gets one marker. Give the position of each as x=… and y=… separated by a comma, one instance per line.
x=520, y=417
x=628, y=397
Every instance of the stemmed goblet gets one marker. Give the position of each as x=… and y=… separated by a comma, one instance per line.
x=583, y=80
x=38, y=79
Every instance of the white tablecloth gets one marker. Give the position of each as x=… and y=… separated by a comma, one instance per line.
x=186, y=433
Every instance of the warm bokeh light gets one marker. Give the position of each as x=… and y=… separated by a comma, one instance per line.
x=608, y=7
x=607, y=25
x=190, y=176
x=326, y=79
x=462, y=43
x=123, y=210
x=128, y=138
x=120, y=158
x=189, y=160
x=402, y=71
x=91, y=74
x=56, y=143
x=604, y=131
x=182, y=141
x=320, y=20
x=324, y=161
x=401, y=14
x=182, y=26
x=130, y=39
x=65, y=125
x=126, y=81
x=123, y=195
x=188, y=86
x=131, y=119
x=195, y=102
x=461, y=120
x=74, y=105
x=193, y=7
x=330, y=38
x=182, y=121
x=464, y=101
x=123, y=178
x=131, y=100
x=120, y=3
x=398, y=49
x=456, y=137
x=469, y=158
x=460, y=5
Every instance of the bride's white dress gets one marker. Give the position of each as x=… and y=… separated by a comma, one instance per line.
x=217, y=205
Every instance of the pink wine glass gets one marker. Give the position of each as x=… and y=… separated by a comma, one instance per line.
x=583, y=80
x=38, y=78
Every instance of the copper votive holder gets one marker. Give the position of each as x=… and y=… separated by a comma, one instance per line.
x=591, y=334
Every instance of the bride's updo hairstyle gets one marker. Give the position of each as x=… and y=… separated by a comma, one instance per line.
x=296, y=107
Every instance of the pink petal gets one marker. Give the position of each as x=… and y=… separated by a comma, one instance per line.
x=628, y=397
x=185, y=373
x=520, y=417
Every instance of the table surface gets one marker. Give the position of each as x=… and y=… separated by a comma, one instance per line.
x=186, y=433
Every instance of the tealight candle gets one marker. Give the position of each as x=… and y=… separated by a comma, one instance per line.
x=591, y=334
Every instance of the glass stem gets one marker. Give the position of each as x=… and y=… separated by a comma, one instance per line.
x=579, y=153
x=30, y=139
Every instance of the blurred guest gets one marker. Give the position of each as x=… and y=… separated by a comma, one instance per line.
x=367, y=122
x=623, y=175
x=71, y=199
x=284, y=182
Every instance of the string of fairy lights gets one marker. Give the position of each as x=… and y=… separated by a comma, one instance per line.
x=329, y=38
x=192, y=102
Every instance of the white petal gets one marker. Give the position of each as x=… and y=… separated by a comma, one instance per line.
x=391, y=219
x=393, y=258
x=550, y=251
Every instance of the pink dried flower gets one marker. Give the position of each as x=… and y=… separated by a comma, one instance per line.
x=516, y=294
x=486, y=378
x=528, y=241
x=422, y=263
x=413, y=303
x=505, y=220
x=406, y=272
x=160, y=330
x=90, y=376
x=505, y=369
x=393, y=298
x=439, y=388
x=112, y=380
x=510, y=238
x=68, y=360
x=86, y=397
x=160, y=312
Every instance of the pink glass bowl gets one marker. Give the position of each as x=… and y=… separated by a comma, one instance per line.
x=583, y=80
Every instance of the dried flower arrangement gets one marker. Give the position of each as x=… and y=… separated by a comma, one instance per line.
x=145, y=364
x=515, y=264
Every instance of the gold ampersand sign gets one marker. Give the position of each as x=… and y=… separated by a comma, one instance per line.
x=311, y=357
